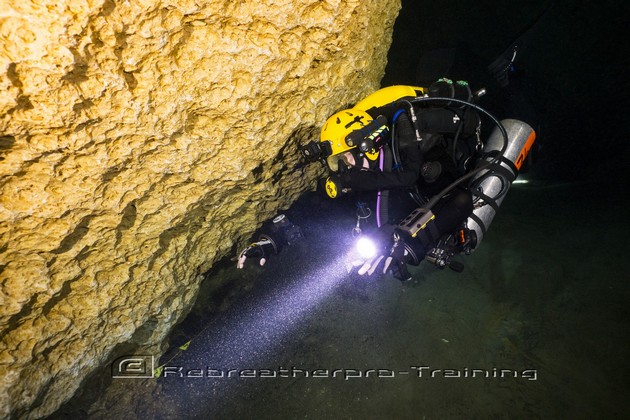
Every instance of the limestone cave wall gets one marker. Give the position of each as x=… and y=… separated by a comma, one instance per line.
x=140, y=142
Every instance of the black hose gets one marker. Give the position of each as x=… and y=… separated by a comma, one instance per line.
x=478, y=108
x=415, y=194
x=469, y=175
x=455, y=183
x=395, y=152
x=456, y=137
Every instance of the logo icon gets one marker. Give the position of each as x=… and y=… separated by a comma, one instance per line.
x=331, y=188
x=133, y=367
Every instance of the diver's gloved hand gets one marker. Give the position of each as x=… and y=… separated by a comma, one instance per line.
x=371, y=253
x=392, y=258
x=380, y=251
x=367, y=248
x=260, y=250
x=280, y=233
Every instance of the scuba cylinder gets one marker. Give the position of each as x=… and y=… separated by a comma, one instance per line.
x=491, y=185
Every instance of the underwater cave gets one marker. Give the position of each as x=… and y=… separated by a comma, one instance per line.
x=535, y=326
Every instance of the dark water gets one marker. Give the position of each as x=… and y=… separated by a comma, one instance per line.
x=537, y=325
x=541, y=309
x=541, y=298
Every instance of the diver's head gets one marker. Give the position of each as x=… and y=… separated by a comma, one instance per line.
x=335, y=137
x=347, y=139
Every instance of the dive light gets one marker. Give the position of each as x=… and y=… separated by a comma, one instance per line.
x=371, y=137
x=365, y=247
x=315, y=150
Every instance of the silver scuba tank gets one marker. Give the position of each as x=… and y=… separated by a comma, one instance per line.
x=490, y=186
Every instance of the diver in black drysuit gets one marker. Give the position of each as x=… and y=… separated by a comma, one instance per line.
x=446, y=152
x=422, y=161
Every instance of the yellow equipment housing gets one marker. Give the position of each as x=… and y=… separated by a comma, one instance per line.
x=340, y=125
x=388, y=95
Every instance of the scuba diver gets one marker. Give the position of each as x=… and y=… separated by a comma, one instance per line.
x=437, y=184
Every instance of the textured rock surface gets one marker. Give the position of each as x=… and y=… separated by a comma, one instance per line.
x=140, y=141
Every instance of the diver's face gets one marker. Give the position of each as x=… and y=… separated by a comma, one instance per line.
x=348, y=160
x=351, y=160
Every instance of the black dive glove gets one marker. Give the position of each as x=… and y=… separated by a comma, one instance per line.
x=261, y=250
x=391, y=253
x=271, y=241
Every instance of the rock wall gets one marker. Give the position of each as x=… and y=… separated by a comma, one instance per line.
x=141, y=141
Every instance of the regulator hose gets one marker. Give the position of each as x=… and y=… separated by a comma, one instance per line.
x=498, y=157
x=414, y=193
x=395, y=153
x=472, y=173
